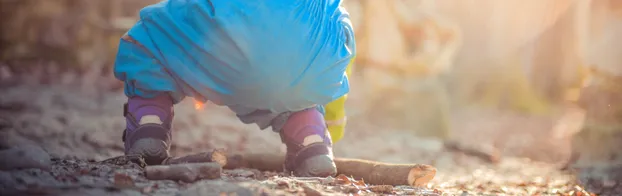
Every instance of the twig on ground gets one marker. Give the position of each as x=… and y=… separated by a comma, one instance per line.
x=217, y=156
x=372, y=172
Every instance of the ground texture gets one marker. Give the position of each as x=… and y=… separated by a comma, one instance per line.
x=64, y=132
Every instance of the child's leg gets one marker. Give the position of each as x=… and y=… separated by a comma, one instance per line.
x=151, y=93
x=148, y=127
x=309, y=145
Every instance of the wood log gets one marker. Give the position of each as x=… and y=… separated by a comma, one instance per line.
x=186, y=172
x=264, y=162
x=386, y=173
x=218, y=156
x=371, y=172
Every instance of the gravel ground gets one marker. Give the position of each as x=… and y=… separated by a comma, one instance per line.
x=64, y=130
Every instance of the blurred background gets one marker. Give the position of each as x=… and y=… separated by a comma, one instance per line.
x=529, y=78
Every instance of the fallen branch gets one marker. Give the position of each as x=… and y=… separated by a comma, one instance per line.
x=208, y=165
x=218, y=156
x=263, y=162
x=186, y=172
x=372, y=172
x=386, y=173
x=126, y=159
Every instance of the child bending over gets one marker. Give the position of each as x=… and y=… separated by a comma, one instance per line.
x=275, y=63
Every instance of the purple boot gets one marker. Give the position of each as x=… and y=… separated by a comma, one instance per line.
x=309, y=146
x=148, y=130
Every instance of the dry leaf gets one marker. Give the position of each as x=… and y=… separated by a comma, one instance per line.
x=84, y=172
x=359, y=183
x=342, y=179
x=123, y=181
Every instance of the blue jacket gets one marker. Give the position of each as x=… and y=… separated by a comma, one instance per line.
x=278, y=55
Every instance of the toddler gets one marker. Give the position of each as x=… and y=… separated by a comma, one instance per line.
x=280, y=64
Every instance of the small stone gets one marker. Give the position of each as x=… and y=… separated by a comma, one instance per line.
x=25, y=157
x=282, y=184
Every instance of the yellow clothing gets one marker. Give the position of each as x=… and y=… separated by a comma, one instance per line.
x=335, y=116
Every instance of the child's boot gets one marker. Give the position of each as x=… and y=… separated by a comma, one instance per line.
x=309, y=146
x=148, y=131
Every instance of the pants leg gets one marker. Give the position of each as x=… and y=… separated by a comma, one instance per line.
x=151, y=93
x=265, y=118
x=143, y=75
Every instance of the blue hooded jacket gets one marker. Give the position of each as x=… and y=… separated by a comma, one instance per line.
x=277, y=55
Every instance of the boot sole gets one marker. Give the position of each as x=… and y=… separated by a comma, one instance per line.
x=154, y=151
x=317, y=166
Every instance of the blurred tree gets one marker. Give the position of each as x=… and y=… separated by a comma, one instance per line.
x=73, y=33
x=403, y=64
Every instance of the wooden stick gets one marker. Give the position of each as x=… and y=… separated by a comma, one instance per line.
x=372, y=172
x=218, y=156
x=385, y=173
x=186, y=172
x=264, y=162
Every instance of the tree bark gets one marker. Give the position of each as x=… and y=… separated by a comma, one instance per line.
x=217, y=156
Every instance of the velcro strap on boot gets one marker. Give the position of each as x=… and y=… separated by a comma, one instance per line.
x=132, y=120
x=155, y=131
x=307, y=152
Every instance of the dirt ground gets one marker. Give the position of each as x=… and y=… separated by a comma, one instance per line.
x=78, y=124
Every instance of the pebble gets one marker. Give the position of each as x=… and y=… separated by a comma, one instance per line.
x=25, y=157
